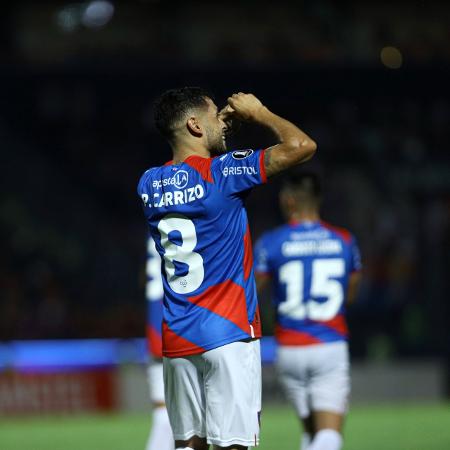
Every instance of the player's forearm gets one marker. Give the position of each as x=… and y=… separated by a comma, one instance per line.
x=294, y=146
x=262, y=282
x=353, y=287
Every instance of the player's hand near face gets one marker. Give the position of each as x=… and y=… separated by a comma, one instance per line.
x=246, y=107
x=227, y=114
x=294, y=146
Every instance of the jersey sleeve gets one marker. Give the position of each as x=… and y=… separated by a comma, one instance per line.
x=355, y=256
x=239, y=171
x=261, y=256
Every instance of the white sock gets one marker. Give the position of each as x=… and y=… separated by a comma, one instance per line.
x=326, y=440
x=161, y=437
x=185, y=448
x=306, y=440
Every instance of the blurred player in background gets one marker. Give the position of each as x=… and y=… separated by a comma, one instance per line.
x=194, y=205
x=314, y=269
x=160, y=437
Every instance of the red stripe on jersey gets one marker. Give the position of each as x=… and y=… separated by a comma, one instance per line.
x=342, y=232
x=227, y=300
x=285, y=336
x=262, y=167
x=172, y=343
x=202, y=166
x=169, y=163
x=248, y=254
x=338, y=324
x=154, y=342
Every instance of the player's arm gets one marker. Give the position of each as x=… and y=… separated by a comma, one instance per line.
x=355, y=277
x=354, y=282
x=263, y=272
x=294, y=146
x=262, y=282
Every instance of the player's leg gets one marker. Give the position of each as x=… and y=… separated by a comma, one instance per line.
x=328, y=431
x=233, y=395
x=308, y=431
x=193, y=443
x=185, y=399
x=292, y=369
x=330, y=389
x=160, y=437
x=233, y=447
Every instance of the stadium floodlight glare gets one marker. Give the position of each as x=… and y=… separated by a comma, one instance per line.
x=391, y=57
x=68, y=18
x=97, y=14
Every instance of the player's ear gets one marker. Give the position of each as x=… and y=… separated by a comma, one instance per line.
x=194, y=127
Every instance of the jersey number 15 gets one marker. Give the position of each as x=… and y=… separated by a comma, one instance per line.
x=323, y=284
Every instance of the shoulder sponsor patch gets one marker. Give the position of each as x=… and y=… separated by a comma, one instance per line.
x=241, y=154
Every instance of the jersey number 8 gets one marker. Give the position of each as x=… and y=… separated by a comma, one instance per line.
x=193, y=276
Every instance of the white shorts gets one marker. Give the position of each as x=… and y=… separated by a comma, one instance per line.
x=216, y=394
x=315, y=377
x=156, y=382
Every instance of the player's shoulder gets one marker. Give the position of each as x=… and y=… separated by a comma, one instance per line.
x=200, y=165
x=147, y=175
x=275, y=235
x=232, y=157
x=339, y=232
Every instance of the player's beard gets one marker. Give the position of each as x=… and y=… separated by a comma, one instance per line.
x=216, y=142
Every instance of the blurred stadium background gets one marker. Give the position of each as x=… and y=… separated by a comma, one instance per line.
x=368, y=80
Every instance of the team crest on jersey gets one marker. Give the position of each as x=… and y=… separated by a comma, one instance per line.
x=241, y=154
x=180, y=179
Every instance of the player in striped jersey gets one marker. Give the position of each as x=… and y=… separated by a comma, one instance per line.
x=194, y=205
x=314, y=269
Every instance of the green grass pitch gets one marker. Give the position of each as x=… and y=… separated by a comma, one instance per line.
x=396, y=427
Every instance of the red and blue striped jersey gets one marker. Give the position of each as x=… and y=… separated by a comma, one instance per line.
x=197, y=219
x=310, y=264
x=154, y=294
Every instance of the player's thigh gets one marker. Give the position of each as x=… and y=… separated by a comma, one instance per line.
x=330, y=379
x=185, y=396
x=292, y=370
x=155, y=380
x=233, y=394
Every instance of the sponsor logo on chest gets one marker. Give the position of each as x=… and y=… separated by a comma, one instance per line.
x=243, y=170
x=179, y=180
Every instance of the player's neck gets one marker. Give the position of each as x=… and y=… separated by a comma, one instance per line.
x=183, y=150
x=307, y=215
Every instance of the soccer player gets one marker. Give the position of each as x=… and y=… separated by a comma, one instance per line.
x=160, y=437
x=314, y=269
x=194, y=205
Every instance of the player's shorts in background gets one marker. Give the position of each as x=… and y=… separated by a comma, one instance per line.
x=216, y=394
x=315, y=377
x=155, y=380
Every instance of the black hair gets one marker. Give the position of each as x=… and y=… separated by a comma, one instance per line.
x=305, y=182
x=171, y=106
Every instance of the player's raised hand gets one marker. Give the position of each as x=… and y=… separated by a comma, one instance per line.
x=227, y=114
x=245, y=106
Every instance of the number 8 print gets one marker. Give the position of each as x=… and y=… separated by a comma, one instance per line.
x=183, y=253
